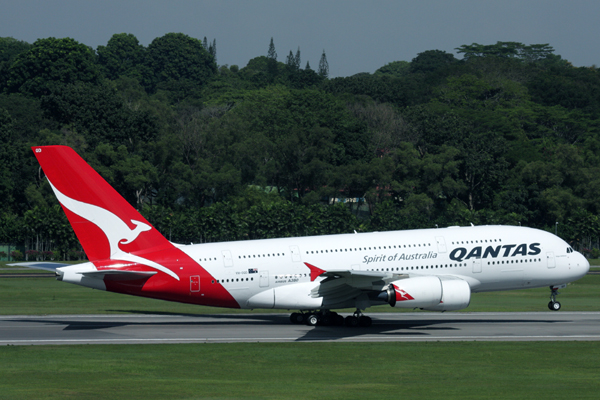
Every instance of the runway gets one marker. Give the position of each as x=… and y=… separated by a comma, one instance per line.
x=252, y=328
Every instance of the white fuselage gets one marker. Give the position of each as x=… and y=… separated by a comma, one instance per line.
x=489, y=258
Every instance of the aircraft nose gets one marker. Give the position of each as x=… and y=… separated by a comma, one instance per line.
x=580, y=264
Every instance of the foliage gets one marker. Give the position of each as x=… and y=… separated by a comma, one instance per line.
x=179, y=63
x=395, y=68
x=10, y=48
x=431, y=61
x=509, y=134
x=122, y=56
x=323, y=66
x=532, y=53
x=16, y=255
x=50, y=62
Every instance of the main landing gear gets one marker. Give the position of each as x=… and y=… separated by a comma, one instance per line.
x=330, y=318
x=358, y=319
x=554, y=305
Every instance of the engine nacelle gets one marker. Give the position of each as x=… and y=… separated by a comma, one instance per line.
x=429, y=293
x=456, y=295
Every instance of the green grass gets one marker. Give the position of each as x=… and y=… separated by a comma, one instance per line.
x=39, y=296
x=461, y=370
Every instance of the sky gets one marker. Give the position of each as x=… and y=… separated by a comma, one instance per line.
x=357, y=36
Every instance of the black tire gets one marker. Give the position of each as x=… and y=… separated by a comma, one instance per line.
x=556, y=306
x=297, y=318
x=351, y=321
x=326, y=320
x=365, y=321
x=339, y=320
x=550, y=306
x=312, y=320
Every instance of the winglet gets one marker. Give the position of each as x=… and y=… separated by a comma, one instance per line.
x=314, y=271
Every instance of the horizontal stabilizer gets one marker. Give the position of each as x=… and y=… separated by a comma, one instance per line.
x=118, y=275
x=45, y=265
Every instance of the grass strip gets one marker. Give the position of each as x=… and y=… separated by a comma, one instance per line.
x=467, y=370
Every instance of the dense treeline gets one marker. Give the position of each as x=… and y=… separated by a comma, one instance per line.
x=508, y=134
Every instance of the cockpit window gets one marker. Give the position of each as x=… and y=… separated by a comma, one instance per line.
x=570, y=249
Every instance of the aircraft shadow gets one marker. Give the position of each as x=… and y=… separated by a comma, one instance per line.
x=395, y=328
x=235, y=320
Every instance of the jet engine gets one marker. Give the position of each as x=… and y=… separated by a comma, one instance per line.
x=429, y=293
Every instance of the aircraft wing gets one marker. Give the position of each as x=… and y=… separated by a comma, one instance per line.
x=44, y=265
x=340, y=285
x=358, y=277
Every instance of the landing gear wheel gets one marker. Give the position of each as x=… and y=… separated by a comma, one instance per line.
x=297, y=318
x=338, y=320
x=351, y=321
x=326, y=319
x=364, y=321
x=554, y=305
x=312, y=320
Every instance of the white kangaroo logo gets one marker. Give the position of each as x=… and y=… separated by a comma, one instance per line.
x=115, y=229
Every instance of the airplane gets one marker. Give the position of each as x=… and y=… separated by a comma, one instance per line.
x=432, y=269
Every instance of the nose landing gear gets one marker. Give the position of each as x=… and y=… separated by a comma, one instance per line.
x=553, y=304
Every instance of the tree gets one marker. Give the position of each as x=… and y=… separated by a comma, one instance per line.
x=212, y=49
x=272, y=61
x=290, y=61
x=123, y=55
x=297, y=59
x=395, y=69
x=271, y=53
x=50, y=62
x=8, y=160
x=323, y=66
x=531, y=53
x=10, y=48
x=430, y=61
x=178, y=62
x=99, y=113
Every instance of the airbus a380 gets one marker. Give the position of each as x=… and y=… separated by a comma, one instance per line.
x=431, y=269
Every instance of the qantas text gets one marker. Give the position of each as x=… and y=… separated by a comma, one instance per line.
x=461, y=253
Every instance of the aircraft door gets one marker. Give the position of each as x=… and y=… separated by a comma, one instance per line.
x=441, y=243
x=227, y=259
x=194, y=283
x=263, y=279
x=295, y=253
x=551, y=260
x=477, y=265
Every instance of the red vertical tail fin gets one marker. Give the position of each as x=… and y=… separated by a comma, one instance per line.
x=105, y=223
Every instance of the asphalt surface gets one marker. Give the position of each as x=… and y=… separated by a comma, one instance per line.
x=222, y=328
